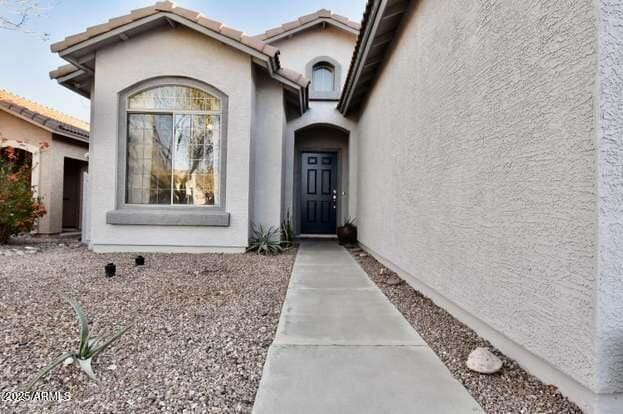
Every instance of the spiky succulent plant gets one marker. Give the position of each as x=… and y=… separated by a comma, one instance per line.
x=89, y=347
x=266, y=241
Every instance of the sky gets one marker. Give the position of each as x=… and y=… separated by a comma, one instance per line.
x=26, y=58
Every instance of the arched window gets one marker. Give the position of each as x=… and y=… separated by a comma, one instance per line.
x=323, y=77
x=173, y=147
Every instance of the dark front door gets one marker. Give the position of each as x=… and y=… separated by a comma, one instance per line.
x=318, y=192
x=72, y=183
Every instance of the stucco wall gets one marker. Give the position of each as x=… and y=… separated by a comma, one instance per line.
x=179, y=52
x=609, y=295
x=479, y=138
x=296, y=52
x=301, y=48
x=267, y=150
x=54, y=175
x=48, y=160
x=17, y=129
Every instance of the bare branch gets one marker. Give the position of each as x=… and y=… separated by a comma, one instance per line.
x=17, y=14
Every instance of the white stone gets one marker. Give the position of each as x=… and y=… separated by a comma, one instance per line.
x=483, y=361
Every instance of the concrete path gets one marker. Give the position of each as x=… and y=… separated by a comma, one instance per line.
x=342, y=347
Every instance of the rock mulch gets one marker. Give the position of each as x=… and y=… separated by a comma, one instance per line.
x=512, y=390
x=203, y=325
x=26, y=245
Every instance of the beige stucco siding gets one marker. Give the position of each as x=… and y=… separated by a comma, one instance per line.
x=17, y=129
x=267, y=150
x=48, y=163
x=296, y=52
x=54, y=175
x=303, y=47
x=477, y=170
x=179, y=52
x=609, y=295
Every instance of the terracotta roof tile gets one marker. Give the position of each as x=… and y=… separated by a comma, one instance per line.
x=253, y=42
x=62, y=71
x=189, y=14
x=294, y=76
x=41, y=113
x=232, y=33
x=308, y=18
x=210, y=24
x=99, y=29
x=165, y=6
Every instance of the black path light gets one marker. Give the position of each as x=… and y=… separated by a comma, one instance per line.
x=139, y=261
x=111, y=269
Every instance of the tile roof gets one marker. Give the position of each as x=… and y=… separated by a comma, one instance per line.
x=63, y=71
x=170, y=7
x=45, y=116
x=240, y=40
x=380, y=24
x=322, y=15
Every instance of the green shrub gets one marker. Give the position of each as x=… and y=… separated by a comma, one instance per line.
x=88, y=349
x=19, y=209
x=264, y=240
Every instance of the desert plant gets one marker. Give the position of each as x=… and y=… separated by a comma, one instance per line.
x=287, y=230
x=265, y=240
x=88, y=349
x=19, y=208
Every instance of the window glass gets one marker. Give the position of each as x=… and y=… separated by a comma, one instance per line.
x=175, y=98
x=323, y=77
x=173, y=158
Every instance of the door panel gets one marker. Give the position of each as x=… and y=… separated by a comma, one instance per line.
x=318, y=192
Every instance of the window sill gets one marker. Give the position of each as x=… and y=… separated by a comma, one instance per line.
x=168, y=217
x=324, y=96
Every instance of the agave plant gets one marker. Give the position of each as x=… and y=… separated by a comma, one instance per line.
x=89, y=348
x=287, y=230
x=265, y=240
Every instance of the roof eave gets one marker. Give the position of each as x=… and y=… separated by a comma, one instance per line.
x=17, y=111
x=382, y=20
x=82, y=55
x=309, y=25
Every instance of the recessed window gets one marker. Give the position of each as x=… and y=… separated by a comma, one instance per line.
x=173, y=147
x=323, y=77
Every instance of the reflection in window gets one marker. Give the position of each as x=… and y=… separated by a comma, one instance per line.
x=323, y=77
x=173, y=147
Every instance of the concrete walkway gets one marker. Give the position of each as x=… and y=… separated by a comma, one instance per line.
x=342, y=347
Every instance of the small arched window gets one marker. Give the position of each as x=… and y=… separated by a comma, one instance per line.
x=323, y=77
x=174, y=147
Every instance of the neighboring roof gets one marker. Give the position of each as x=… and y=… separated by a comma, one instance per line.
x=43, y=116
x=79, y=49
x=381, y=22
x=322, y=16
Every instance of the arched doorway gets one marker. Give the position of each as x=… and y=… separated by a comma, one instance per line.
x=320, y=179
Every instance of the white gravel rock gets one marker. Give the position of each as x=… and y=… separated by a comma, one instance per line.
x=205, y=331
x=483, y=361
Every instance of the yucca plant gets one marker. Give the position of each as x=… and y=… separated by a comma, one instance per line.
x=264, y=240
x=89, y=347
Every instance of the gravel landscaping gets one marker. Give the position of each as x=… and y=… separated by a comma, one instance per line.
x=203, y=325
x=512, y=390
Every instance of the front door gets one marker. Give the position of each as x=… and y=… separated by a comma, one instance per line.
x=318, y=192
